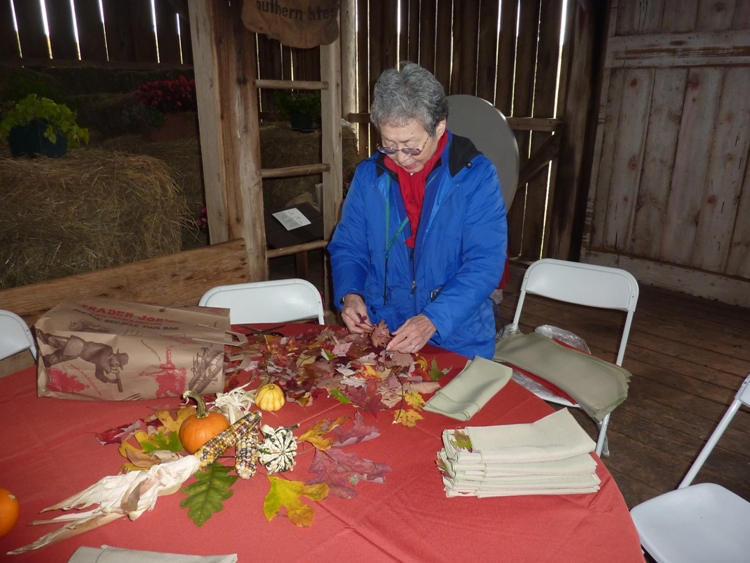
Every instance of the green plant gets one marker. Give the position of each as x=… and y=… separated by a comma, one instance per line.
x=307, y=102
x=59, y=118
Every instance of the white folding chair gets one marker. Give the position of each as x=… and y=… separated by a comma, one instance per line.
x=698, y=523
x=267, y=301
x=15, y=335
x=581, y=284
x=486, y=126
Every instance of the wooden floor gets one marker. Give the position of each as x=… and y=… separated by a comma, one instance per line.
x=688, y=357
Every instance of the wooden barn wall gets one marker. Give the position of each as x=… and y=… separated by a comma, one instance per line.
x=505, y=51
x=126, y=36
x=670, y=195
x=514, y=67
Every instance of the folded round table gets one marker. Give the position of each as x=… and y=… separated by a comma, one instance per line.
x=49, y=453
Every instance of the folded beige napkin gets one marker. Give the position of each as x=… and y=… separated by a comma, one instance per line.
x=596, y=385
x=107, y=554
x=577, y=465
x=556, y=436
x=470, y=390
x=525, y=483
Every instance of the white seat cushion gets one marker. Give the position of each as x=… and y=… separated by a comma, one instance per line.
x=700, y=523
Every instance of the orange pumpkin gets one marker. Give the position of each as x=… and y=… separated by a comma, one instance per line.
x=200, y=427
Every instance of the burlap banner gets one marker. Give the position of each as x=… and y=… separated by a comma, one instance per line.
x=296, y=23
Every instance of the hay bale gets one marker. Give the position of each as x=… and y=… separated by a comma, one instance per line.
x=183, y=156
x=90, y=210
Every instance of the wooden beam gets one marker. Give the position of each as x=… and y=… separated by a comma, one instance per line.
x=668, y=50
x=72, y=63
x=176, y=279
x=539, y=159
x=333, y=180
x=348, y=19
x=291, y=84
x=224, y=59
x=287, y=250
x=548, y=124
x=291, y=171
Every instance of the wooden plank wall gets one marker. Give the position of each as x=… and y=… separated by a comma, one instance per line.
x=514, y=67
x=126, y=35
x=670, y=182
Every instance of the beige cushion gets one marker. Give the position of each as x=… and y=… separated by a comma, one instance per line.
x=597, y=386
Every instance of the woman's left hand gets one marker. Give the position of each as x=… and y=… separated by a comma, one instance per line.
x=411, y=336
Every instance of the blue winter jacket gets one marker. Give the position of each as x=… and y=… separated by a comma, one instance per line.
x=458, y=258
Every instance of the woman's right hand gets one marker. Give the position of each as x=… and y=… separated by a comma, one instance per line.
x=354, y=314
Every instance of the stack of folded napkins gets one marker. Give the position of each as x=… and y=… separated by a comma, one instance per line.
x=548, y=457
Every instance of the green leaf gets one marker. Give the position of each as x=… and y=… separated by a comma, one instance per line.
x=435, y=372
x=161, y=441
x=289, y=495
x=461, y=440
x=207, y=494
x=339, y=396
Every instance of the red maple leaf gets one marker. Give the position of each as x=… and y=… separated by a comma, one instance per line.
x=367, y=398
x=360, y=432
x=341, y=471
x=380, y=335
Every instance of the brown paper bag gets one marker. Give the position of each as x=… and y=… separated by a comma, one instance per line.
x=295, y=23
x=108, y=350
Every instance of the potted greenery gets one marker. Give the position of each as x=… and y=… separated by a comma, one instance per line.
x=300, y=109
x=37, y=126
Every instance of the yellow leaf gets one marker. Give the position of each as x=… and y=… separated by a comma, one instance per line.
x=371, y=372
x=289, y=494
x=315, y=434
x=169, y=423
x=414, y=399
x=407, y=418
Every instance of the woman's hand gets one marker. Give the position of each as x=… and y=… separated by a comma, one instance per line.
x=411, y=336
x=354, y=314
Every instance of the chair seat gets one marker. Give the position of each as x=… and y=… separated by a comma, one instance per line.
x=700, y=523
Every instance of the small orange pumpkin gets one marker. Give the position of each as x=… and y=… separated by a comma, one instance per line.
x=199, y=428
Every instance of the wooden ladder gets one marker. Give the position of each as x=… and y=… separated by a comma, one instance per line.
x=227, y=91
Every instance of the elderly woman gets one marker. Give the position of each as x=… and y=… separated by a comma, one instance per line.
x=422, y=238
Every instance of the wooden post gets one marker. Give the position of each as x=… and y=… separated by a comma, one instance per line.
x=348, y=42
x=224, y=62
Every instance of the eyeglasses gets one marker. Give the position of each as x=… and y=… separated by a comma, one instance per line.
x=408, y=151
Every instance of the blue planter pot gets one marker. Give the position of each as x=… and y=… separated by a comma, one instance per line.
x=29, y=141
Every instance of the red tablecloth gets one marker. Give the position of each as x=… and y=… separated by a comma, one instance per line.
x=48, y=453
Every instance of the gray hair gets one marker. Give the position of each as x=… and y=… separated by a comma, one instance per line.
x=406, y=93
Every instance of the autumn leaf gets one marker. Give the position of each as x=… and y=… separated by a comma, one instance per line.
x=172, y=424
x=435, y=372
x=360, y=432
x=380, y=335
x=315, y=434
x=367, y=398
x=341, y=471
x=407, y=418
x=118, y=434
x=461, y=440
x=159, y=441
x=414, y=400
x=208, y=493
x=140, y=460
x=339, y=396
x=289, y=494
